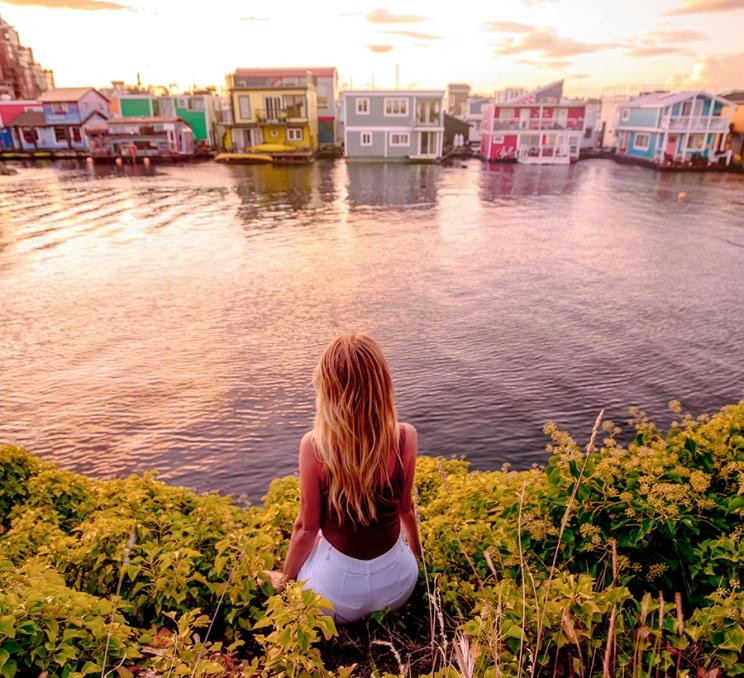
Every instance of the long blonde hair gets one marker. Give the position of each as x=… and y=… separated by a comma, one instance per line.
x=356, y=426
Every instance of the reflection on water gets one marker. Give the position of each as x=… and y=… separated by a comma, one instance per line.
x=170, y=317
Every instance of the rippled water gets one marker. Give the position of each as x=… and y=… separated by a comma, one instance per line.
x=171, y=320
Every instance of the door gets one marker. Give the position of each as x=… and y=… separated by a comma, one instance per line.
x=671, y=147
x=428, y=143
x=524, y=118
x=273, y=107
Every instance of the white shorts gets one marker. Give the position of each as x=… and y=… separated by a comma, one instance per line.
x=357, y=588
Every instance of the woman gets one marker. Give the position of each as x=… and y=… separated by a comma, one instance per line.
x=356, y=480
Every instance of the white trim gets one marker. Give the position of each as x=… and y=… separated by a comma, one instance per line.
x=292, y=130
x=358, y=100
x=390, y=100
x=388, y=128
x=361, y=139
x=625, y=114
x=400, y=142
x=640, y=147
x=498, y=139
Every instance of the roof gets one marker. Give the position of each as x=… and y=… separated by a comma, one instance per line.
x=399, y=92
x=67, y=94
x=658, y=99
x=146, y=120
x=29, y=119
x=266, y=72
x=736, y=96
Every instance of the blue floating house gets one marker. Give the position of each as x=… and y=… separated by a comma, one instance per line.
x=668, y=128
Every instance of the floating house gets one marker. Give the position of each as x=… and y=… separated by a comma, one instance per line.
x=674, y=128
x=59, y=121
x=147, y=136
x=198, y=110
x=402, y=125
x=539, y=127
x=736, y=136
x=474, y=117
x=10, y=110
x=458, y=94
x=273, y=108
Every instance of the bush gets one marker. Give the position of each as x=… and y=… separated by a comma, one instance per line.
x=625, y=556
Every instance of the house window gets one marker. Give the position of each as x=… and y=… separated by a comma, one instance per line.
x=60, y=108
x=322, y=102
x=196, y=104
x=244, y=105
x=77, y=137
x=397, y=107
x=506, y=113
x=362, y=106
x=294, y=134
x=295, y=106
x=400, y=138
x=696, y=142
x=625, y=115
x=60, y=135
x=498, y=139
x=366, y=138
x=28, y=135
x=641, y=142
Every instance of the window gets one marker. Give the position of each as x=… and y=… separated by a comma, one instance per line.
x=295, y=106
x=77, y=137
x=506, y=113
x=362, y=106
x=641, y=142
x=196, y=104
x=400, y=138
x=163, y=107
x=294, y=134
x=244, y=103
x=322, y=102
x=60, y=135
x=625, y=115
x=366, y=138
x=396, y=107
x=60, y=108
x=498, y=139
x=696, y=142
x=28, y=135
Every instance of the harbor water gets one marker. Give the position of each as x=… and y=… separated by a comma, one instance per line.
x=170, y=318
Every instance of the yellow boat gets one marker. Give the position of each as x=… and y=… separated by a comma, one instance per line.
x=250, y=158
x=271, y=148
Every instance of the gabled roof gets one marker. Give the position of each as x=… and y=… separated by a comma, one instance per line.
x=29, y=119
x=659, y=99
x=146, y=120
x=737, y=96
x=534, y=96
x=67, y=94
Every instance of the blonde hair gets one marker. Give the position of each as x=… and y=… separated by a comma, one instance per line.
x=356, y=426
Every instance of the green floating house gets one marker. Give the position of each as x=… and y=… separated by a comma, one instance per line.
x=197, y=110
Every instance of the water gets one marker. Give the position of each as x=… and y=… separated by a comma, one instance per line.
x=171, y=320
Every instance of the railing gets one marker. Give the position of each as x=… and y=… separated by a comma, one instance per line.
x=429, y=121
x=538, y=124
x=543, y=152
x=698, y=122
x=276, y=115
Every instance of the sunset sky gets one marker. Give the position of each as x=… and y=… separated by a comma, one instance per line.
x=592, y=43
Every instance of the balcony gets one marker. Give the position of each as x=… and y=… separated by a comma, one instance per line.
x=698, y=122
x=428, y=121
x=538, y=124
x=271, y=117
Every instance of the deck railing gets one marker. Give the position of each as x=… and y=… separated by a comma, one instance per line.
x=538, y=124
x=276, y=115
x=698, y=122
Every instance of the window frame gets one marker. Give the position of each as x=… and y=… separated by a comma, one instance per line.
x=641, y=147
x=498, y=138
x=391, y=143
x=362, y=135
x=367, y=106
x=294, y=130
x=389, y=101
x=247, y=98
x=57, y=139
x=625, y=114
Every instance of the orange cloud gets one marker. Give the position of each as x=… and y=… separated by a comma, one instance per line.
x=546, y=63
x=380, y=49
x=383, y=16
x=668, y=35
x=696, y=6
x=509, y=27
x=549, y=45
x=90, y=5
x=657, y=50
x=415, y=35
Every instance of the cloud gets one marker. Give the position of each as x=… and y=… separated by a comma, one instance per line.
x=658, y=50
x=380, y=49
x=547, y=43
x=546, y=63
x=671, y=35
x=718, y=72
x=90, y=5
x=577, y=76
x=254, y=18
x=415, y=35
x=509, y=27
x=697, y=6
x=383, y=16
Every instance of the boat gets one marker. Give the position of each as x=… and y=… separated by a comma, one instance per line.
x=246, y=158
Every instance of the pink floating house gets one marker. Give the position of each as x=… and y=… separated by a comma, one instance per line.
x=539, y=128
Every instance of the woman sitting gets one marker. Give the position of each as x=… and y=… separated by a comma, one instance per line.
x=356, y=478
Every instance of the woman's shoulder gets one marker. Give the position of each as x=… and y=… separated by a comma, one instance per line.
x=408, y=431
x=309, y=457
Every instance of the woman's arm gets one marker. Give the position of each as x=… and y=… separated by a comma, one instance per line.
x=407, y=508
x=305, y=531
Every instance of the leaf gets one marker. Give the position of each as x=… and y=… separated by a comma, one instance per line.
x=7, y=626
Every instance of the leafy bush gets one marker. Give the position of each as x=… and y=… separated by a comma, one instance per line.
x=619, y=559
